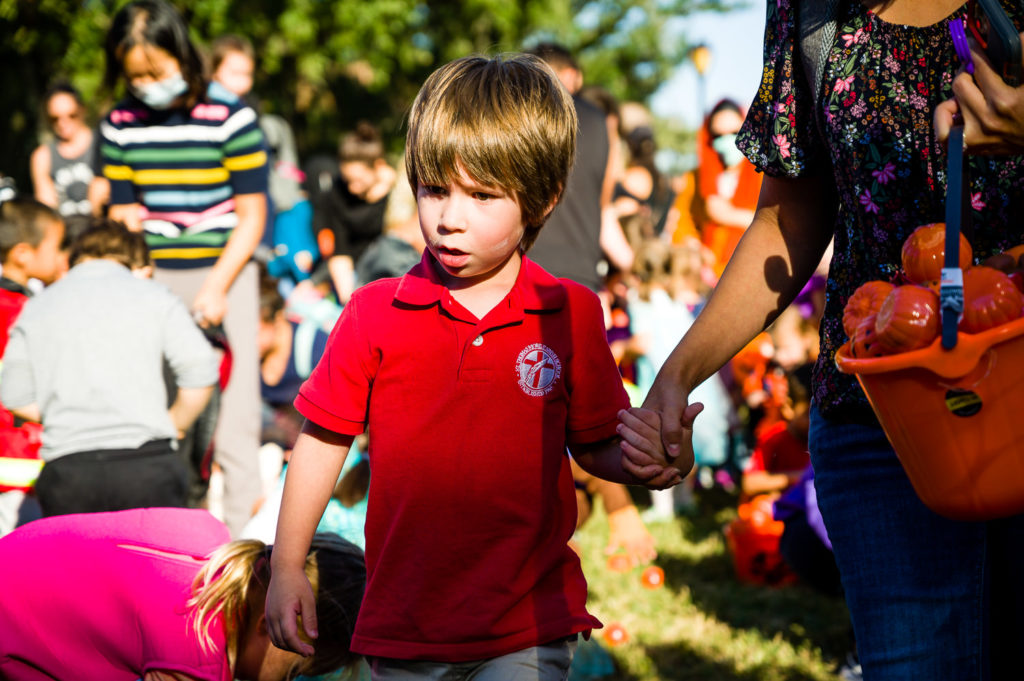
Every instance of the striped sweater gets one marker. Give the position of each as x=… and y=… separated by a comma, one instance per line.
x=184, y=168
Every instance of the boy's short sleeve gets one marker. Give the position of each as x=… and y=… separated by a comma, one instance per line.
x=596, y=393
x=337, y=392
x=779, y=135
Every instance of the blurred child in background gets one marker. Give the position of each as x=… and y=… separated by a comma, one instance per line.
x=780, y=455
x=110, y=439
x=30, y=248
x=659, y=316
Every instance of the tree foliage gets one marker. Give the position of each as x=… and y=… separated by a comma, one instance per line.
x=325, y=64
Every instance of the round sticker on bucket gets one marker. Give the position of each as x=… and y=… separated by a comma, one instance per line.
x=963, y=402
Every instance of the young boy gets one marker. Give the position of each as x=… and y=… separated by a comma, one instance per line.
x=473, y=372
x=99, y=392
x=30, y=238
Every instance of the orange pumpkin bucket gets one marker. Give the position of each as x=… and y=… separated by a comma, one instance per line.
x=952, y=409
x=753, y=541
x=954, y=419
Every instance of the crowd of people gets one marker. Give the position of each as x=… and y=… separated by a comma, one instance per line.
x=184, y=299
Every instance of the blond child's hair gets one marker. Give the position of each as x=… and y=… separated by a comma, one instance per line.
x=507, y=121
x=233, y=585
x=688, y=266
x=652, y=266
x=23, y=221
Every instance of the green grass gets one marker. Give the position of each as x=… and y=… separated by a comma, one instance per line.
x=704, y=624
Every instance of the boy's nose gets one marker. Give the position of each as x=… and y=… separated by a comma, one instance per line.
x=453, y=216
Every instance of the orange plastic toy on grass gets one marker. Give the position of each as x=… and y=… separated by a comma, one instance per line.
x=753, y=540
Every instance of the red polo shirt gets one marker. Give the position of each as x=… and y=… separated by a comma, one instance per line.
x=472, y=501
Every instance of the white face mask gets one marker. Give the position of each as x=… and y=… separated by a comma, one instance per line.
x=725, y=145
x=163, y=93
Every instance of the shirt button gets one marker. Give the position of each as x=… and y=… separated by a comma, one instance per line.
x=478, y=341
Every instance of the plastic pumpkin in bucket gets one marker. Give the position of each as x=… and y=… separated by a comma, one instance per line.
x=953, y=417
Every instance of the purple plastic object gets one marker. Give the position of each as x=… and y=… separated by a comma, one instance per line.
x=963, y=49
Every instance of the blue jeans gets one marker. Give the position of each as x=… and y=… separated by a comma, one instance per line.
x=930, y=598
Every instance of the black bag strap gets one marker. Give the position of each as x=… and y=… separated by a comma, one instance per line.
x=817, y=21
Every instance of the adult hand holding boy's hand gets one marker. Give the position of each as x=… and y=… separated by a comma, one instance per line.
x=644, y=455
x=669, y=401
x=290, y=597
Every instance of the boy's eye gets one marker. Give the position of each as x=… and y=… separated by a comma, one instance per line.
x=483, y=196
x=434, y=189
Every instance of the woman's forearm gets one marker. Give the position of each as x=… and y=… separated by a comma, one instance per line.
x=252, y=214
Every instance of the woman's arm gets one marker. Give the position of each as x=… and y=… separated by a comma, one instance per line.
x=313, y=471
x=45, y=190
x=791, y=229
x=211, y=301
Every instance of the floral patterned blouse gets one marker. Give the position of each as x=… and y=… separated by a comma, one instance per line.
x=880, y=86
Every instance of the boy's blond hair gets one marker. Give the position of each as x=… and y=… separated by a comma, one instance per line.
x=506, y=120
x=23, y=221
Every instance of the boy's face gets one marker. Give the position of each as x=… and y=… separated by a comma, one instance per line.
x=46, y=262
x=471, y=229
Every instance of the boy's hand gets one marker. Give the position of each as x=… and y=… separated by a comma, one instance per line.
x=290, y=596
x=644, y=455
x=627, y=531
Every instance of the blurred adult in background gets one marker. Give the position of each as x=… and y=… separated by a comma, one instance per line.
x=614, y=243
x=642, y=188
x=350, y=216
x=63, y=168
x=190, y=169
x=570, y=245
x=727, y=183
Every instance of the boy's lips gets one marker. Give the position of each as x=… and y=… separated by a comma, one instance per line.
x=452, y=257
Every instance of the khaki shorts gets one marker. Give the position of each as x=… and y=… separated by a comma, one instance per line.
x=548, y=662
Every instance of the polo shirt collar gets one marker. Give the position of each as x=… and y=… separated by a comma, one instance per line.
x=13, y=286
x=535, y=289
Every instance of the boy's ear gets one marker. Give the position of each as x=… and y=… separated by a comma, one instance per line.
x=551, y=207
x=20, y=254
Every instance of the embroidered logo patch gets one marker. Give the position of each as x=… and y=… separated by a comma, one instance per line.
x=538, y=368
